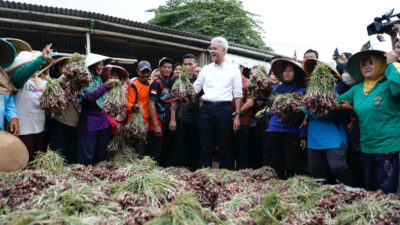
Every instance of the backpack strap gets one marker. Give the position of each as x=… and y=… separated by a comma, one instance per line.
x=136, y=96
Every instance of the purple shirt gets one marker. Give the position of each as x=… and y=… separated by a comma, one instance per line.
x=95, y=118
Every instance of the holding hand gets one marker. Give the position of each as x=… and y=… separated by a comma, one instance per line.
x=110, y=83
x=342, y=59
x=172, y=125
x=346, y=106
x=236, y=123
x=396, y=28
x=396, y=45
x=392, y=56
x=135, y=108
x=14, y=128
x=295, y=56
x=157, y=131
x=364, y=47
x=303, y=144
x=47, y=51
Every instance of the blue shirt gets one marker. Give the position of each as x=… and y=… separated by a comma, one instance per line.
x=276, y=125
x=7, y=109
x=325, y=132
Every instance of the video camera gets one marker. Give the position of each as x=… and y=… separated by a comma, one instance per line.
x=380, y=27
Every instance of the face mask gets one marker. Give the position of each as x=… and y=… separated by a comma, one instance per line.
x=348, y=80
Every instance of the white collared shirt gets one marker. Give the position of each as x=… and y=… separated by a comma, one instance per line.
x=219, y=82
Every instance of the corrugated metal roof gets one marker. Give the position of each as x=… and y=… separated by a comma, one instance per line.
x=79, y=18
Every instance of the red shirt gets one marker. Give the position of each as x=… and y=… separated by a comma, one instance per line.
x=245, y=119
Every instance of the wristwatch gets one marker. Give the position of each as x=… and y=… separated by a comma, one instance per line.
x=236, y=114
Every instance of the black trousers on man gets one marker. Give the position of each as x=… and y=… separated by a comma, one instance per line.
x=184, y=149
x=215, y=121
x=176, y=155
x=192, y=145
x=157, y=147
x=241, y=144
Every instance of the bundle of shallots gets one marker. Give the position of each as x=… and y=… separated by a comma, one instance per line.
x=53, y=98
x=115, y=103
x=118, y=143
x=136, y=128
x=77, y=73
x=77, y=77
x=182, y=91
x=286, y=105
x=320, y=98
x=259, y=85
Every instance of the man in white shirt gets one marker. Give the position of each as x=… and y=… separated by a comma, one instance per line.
x=219, y=80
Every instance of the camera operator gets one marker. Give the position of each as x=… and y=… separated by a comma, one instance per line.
x=384, y=25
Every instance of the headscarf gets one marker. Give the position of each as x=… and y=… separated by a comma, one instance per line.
x=379, y=72
x=152, y=77
x=290, y=87
x=6, y=86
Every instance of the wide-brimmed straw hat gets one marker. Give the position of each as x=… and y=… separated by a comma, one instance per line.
x=13, y=153
x=23, y=59
x=8, y=53
x=353, y=65
x=93, y=58
x=123, y=72
x=309, y=66
x=20, y=45
x=279, y=65
x=106, y=74
x=57, y=64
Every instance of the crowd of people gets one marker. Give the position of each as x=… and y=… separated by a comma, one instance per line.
x=356, y=145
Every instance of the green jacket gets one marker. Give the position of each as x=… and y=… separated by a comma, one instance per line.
x=379, y=112
x=22, y=75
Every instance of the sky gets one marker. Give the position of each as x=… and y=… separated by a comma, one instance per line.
x=289, y=25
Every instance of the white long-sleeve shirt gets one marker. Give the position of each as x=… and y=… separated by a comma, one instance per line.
x=219, y=82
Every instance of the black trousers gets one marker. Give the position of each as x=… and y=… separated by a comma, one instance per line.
x=177, y=154
x=215, y=121
x=241, y=144
x=192, y=145
x=285, y=153
x=63, y=138
x=255, y=148
x=354, y=161
x=266, y=153
x=184, y=149
x=157, y=147
x=334, y=159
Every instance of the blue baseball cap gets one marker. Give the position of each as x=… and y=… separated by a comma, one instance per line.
x=142, y=65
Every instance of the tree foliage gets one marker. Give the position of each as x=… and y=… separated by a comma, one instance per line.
x=225, y=18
